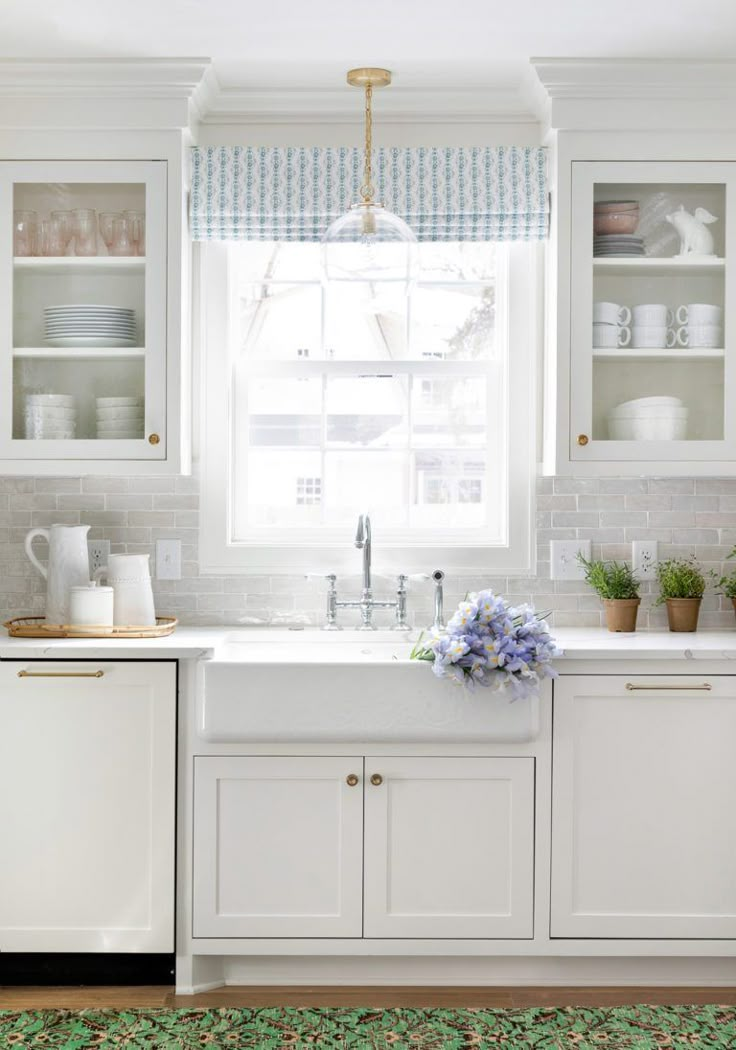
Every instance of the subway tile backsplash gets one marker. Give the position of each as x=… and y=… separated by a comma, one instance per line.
x=685, y=515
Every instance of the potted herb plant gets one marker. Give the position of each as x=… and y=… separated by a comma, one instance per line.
x=618, y=588
x=681, y=585
x=727, y=584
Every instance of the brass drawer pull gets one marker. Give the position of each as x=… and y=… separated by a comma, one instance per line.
x=376, y=779
x=61, y=674
x=704, y=685
x=351, y=780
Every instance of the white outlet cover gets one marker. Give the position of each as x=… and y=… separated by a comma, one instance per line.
x=168, y=559
x=644, y=558
x=564, y=559
x=99, y=554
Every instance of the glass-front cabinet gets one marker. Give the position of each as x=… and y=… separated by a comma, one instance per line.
x=652, y=323
x=83, y=329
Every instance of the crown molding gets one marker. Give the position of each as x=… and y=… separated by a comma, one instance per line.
x=639, y=92
x=73, y=93
x=231, y=105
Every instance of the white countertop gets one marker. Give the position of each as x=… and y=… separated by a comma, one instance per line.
x=187, y=643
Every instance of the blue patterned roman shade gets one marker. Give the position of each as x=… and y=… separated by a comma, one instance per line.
x=473, y=193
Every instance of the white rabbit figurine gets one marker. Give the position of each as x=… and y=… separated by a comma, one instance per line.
x=695, y=237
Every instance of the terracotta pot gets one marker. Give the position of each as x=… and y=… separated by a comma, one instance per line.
x=621, y=613
x=682, y=613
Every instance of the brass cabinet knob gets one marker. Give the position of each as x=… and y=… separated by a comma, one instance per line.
x=583, y=439
x=376, y=779
x=351, y=780
x=153, y=439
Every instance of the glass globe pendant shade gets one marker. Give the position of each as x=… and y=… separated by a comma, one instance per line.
x=369, y=243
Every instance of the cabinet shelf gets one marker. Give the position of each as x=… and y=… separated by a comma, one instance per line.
x=80, y=353
x=672, y=355
x=628, y=267
x=80, y=264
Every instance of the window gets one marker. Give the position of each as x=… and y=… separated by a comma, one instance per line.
x=324, y=401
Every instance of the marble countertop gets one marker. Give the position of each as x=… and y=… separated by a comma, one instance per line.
x=588, y=643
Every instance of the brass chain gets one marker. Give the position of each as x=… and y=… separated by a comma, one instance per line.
x=367, y=190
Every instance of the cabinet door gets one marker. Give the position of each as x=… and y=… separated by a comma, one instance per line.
x=644, y=783
x=278, y=846
x=87, y=807
x=449, y=847
x=83, y=281
x=683, y=366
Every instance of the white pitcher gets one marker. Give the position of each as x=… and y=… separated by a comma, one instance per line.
x=68, y=566
x=130, y=579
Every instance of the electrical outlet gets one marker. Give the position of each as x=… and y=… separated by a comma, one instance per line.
x=564, y=558
x=168, y=559
x=644, y=558
x=99, y=554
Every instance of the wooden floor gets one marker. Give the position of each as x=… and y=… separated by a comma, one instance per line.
x=80, y=998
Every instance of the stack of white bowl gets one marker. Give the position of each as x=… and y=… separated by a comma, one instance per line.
x=50, y=417
x=120, y=417
x=648, y=419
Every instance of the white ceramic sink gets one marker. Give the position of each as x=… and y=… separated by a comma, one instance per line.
x=352, y=686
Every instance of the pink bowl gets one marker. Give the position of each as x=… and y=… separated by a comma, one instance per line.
x=616, y=206
x=616, y=222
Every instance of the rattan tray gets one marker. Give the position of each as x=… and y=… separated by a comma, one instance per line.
x=36, y=627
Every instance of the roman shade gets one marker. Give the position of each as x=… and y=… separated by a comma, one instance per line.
x=291, y=193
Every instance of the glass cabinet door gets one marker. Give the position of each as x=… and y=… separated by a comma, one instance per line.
x=83, y=353
x=652, y=375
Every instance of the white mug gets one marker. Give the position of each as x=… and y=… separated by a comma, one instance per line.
x=649, y=314
x=700, y=335
x=610, y=335
x=655, y=337
x=130, y=579
x=699, y=313
x=611, y=313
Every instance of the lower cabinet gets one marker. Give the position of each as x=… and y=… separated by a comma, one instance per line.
x=87, y=815
x=644, y=789
x=351, y=847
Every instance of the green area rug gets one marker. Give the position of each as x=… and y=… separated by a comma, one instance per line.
x=374, y=1029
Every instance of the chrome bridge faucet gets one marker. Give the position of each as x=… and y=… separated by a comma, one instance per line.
x=367, y=602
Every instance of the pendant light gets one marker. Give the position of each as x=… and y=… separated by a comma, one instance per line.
x=369, y=243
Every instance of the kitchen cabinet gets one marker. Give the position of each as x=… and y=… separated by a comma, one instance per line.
x=593, y=380
x=85, y=318
x=449, y=847
x=87, y=780
x=279, y=847
x=643, y=789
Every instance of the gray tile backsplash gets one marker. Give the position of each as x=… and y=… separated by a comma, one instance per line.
x=685, y=515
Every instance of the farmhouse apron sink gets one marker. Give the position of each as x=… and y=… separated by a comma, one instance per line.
x=348, y=686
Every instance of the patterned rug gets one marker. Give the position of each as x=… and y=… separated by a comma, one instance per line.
x=643, y=1027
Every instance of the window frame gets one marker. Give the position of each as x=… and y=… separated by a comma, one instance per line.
x=218, y=553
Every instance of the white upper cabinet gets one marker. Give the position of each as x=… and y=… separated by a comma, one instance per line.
x=83, y=262
x=645, y=320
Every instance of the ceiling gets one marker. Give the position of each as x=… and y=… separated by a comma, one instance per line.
x=429, y=44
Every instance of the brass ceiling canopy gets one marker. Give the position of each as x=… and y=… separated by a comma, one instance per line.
x=369, y=76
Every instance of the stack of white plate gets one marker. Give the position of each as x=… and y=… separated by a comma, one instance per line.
x=120, y=417
x=50, y=417
x=649, y=419
x=89, y=325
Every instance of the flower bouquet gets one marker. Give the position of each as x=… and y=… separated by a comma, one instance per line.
x=487, y=642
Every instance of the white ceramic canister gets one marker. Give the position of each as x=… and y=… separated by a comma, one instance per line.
x=91, y=606
x=130, y=578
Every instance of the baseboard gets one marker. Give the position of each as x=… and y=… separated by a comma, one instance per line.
x=480, y=972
